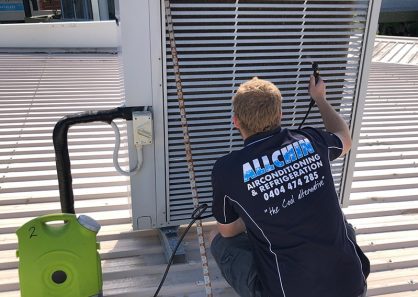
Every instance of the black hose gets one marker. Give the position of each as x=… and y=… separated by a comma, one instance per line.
x=60, y=139
x=311, y=104
x=196, y=215
x=315, y=69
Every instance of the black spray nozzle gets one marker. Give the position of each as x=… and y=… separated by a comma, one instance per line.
x=315, y=69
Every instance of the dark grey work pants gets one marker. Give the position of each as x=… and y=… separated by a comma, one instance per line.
x=235, y=260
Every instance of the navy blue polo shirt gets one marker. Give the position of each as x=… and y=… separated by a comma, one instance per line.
x=281, y=185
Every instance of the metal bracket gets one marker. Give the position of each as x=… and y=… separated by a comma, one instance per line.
x=142, y=127
x=169, y=238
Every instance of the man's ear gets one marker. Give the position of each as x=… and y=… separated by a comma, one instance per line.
x=281, y=115
x=235, y=121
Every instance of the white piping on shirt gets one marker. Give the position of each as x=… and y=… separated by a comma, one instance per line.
x=226, y=196
x=275, y=255
x=345, y=226
x=354, y=247
x=259, y=140
x=336, y=147
x=333, y=147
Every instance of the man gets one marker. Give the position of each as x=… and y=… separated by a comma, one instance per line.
x=279, y=189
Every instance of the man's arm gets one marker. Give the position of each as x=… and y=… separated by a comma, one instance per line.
x=232, y=229
x=333, y=121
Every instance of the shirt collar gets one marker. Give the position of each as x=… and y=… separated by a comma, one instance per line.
x=261, y=136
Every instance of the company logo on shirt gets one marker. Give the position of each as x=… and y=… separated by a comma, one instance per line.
x=278, y=159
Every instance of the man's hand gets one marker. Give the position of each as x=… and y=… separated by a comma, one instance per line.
x=333, y=122
x=232, y=229
x=318, y=90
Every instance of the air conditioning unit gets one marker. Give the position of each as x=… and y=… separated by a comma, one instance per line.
x=220, y=44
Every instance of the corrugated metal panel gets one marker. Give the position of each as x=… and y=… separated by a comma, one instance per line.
x=384, y=199
x=222, y=44
x=38, y=90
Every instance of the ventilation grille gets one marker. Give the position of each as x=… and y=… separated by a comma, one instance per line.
x=221, y=44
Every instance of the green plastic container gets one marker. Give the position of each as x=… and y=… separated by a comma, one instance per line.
x=58, y=257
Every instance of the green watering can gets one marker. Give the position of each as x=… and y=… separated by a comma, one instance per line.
x=59, y=258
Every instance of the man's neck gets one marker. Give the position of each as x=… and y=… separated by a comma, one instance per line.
x=245, y=134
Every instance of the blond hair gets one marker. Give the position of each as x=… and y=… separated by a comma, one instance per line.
x=257, y=105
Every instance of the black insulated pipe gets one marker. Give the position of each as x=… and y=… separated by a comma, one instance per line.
x=60, y=139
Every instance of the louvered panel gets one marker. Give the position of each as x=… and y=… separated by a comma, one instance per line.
x=221, y=44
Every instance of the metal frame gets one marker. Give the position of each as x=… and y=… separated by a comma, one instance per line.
x=165, y=103
x=143, y=87
x=366, y=60
x=159, y=110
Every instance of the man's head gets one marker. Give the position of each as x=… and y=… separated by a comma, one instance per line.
x=257, y=107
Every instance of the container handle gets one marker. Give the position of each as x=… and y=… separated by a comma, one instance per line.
x=57, y=217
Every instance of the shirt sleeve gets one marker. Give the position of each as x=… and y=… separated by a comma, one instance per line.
x=332, y=141
x=222, y=209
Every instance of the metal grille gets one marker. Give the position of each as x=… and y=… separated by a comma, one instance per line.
x=221, y=44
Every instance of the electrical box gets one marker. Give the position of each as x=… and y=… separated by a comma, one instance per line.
x=142, y=126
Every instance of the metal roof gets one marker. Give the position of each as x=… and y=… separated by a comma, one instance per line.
x=400, y=50
x=37, y=89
